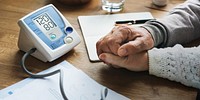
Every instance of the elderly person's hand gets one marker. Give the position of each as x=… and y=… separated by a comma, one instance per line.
x=125, y=40
x=134, y=62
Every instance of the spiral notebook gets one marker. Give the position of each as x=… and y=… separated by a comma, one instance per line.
x=96, y=26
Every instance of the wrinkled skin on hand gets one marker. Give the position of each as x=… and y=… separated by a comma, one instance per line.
x=126, y=46
x=134, y=62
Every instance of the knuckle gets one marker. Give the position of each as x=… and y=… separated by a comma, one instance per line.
x=110, y=41
x=98, y=43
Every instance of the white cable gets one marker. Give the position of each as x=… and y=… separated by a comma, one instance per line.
x=32, y=75
x=104, y=91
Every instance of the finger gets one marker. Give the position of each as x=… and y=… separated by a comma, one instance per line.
x=103, y=46
x=98, y=47
x=108, y=44
x=111, y=59
x=126, y=33
x=142, y=42
x=111, y=42
x=132, y=47
x=113, y=45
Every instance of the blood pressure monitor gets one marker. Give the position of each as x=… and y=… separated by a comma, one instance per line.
x=47, y=35
x=47, y=30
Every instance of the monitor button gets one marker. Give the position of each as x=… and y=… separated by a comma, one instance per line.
x=68, y=30
x=68, y=40
x=52, y=36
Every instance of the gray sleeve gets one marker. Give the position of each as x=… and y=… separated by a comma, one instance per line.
x=180, y=26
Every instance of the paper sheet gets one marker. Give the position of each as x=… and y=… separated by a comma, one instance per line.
x=77, y=85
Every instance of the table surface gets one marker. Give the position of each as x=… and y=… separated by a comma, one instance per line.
x=135, y=85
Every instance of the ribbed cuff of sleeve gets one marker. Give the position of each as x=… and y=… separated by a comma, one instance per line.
x=153, y=68
x=158, y=32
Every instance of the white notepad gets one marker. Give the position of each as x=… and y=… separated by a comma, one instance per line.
x=77, y=85
x=96, y=26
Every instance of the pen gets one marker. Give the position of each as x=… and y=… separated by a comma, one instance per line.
x=141, y=21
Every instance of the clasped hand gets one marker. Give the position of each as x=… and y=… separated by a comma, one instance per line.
x=126, y=47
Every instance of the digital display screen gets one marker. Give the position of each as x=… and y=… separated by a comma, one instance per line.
x=44, y=23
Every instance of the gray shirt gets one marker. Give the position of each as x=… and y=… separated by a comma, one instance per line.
x=180, y=26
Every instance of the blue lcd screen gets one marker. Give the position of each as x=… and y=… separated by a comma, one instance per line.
x=44, y=23
x=48, y=25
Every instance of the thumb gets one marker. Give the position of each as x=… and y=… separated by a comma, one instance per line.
x=131, y=47
x=112, y=59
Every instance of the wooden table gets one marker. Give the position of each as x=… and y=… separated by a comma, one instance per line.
x=135, y=85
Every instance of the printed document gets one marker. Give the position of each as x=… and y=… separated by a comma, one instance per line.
x=77, y=85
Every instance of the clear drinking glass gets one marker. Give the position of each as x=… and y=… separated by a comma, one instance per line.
x=112, y=6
